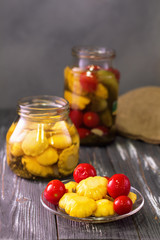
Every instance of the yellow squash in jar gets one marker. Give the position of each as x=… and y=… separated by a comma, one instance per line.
x=76, y=140
x=101, y=91
x=72, y=130
x=48, y=157
x=68, y=160
x=10, y=131
x=35, y=168
x=67, y=72
x=60, y=127
x=34, y=143
x=16, y=149
x=37, y=139
x=60, y=141
x=61, y=137
x=73, y=80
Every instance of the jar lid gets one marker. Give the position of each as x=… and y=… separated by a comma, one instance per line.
x=93, y=52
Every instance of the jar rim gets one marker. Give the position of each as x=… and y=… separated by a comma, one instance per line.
x=42, y=106
x=94, y=52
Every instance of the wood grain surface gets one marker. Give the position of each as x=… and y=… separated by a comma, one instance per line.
x=23, y=217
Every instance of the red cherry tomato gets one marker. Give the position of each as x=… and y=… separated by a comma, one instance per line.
x=93, y=68
x=91, y=119
x=122, y=205
x=83, y=171
x=88, y=81
x=83, y=132
x=76, y=117
x=115, y=71
x=118, y=185
x=54, y=190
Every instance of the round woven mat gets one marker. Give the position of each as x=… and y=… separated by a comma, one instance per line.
x=138, y=114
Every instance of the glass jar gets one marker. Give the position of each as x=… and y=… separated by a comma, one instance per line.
x=42, y=142
x=91, y=88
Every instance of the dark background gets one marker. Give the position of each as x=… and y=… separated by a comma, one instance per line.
x=36, y=37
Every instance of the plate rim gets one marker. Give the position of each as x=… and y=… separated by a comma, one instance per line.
x=92, y=219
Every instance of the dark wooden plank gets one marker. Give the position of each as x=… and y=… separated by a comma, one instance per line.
x=21, y=214
x=122, y=229
x=136, y=160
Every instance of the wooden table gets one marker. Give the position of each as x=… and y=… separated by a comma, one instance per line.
x=22, y=216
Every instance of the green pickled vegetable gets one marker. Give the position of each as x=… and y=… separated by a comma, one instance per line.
x=108, y=79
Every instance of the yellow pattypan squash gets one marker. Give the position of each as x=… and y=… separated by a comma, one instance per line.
x=16, y=149
x=60, y=141
x=48, y=157
x=132, y=196
x=104, y=208
x=34, y=143
x=93, y=187
x=35, y=168
x=75, y=206
x=60, y=127
x=68, y=160
x=71, y=186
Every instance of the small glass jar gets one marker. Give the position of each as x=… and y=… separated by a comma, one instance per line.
x=42, y=142
x=91, y=88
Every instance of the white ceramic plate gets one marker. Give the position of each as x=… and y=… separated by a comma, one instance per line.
x=56, y=210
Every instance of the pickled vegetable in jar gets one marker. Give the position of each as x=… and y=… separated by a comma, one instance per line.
x=91, y=88
x=42, y=142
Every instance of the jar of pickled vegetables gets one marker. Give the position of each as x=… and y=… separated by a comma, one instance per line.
x=42, y=141
x=91, y=88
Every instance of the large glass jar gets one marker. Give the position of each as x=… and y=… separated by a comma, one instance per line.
x=91, y=88
x=42, y=142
